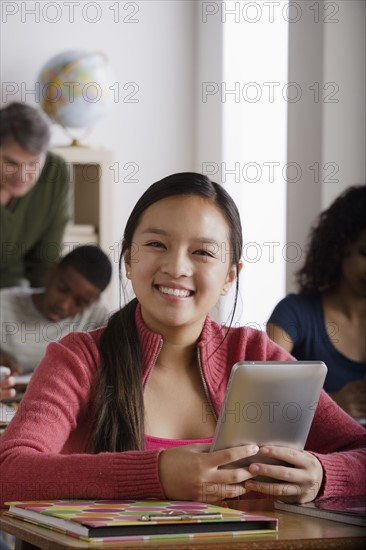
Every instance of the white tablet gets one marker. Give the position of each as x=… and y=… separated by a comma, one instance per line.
x=269, y=403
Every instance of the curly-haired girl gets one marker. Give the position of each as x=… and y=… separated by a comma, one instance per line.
x=326, y=320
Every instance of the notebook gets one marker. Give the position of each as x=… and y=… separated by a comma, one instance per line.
x=139, y=520
x=342, y=509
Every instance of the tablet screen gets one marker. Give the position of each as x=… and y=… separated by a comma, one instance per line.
x=269, y=403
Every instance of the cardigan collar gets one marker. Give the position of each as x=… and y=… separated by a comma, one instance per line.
x=212, y=346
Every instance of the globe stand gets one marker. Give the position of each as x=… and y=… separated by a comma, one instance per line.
x=75, y=141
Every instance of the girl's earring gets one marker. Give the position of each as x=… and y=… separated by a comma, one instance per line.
x=224, y=291
x=128, y=273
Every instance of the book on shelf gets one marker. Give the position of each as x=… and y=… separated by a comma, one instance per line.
x=78, y=235
x=79, y=229
x=342, y=509
x=98, y=520
x=7, y=412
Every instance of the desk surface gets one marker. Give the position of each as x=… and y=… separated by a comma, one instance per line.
x=295, y=532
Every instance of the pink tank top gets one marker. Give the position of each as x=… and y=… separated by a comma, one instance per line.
x=152, y=442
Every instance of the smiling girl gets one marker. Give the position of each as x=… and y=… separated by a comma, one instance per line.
x=129, y=411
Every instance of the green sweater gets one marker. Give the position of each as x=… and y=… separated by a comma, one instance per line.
x=32, y=227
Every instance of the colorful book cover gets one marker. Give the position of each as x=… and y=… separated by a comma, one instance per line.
x=139, y=520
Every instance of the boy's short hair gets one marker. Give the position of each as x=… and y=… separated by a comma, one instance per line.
x=27, y=126
x=91, y=262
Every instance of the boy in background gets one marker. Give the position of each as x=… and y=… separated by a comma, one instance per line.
x=32, y=318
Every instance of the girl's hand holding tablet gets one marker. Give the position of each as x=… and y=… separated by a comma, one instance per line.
x=300, y=483
x=190, y=472
x=201, y=476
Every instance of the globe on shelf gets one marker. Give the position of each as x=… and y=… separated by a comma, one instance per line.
x=76, y=89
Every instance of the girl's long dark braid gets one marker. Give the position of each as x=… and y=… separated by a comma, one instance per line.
x=119, y=386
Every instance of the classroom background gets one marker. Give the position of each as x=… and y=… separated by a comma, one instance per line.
x=266, y=98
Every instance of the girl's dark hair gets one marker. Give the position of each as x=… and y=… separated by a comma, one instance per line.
x=336, y=227
x=27, y=126
x=91, y=262
x=119, y=424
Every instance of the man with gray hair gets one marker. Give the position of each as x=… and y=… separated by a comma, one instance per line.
x=34, y=197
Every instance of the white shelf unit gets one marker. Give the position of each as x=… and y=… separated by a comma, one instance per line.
x=92, y=190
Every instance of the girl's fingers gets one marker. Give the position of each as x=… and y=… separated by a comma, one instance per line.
x=283, y=490
x=281, y=473
x=227, y=456
x=213, y=492
x=4, y=373
x=300, y=481
x=7, y=382
x=284, y=454
x=7, y=393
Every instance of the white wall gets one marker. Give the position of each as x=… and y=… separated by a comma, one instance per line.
x=238, y=137
x=304, y=129
x=326, y=129
x=344, y=120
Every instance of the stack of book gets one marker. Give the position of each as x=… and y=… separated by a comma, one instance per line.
x=77, y=235
x=127, y=520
